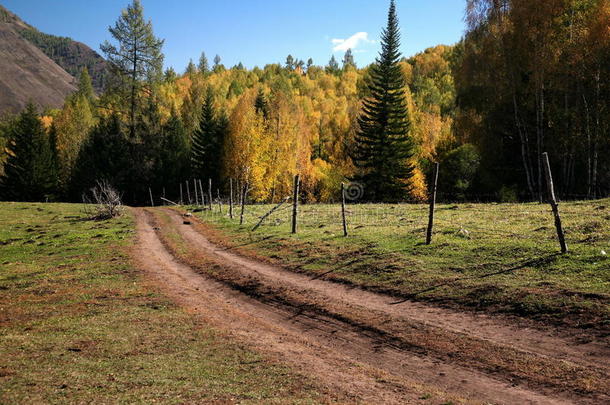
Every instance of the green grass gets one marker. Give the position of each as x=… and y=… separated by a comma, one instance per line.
x=78, y=324
x=500, y=257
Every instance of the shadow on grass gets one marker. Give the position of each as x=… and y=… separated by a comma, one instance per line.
x=252, y=242
x=531, y=262
x=318, y=276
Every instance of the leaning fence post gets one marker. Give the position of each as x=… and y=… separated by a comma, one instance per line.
x=295, y=203
x=243, y=202
x=188, y=192
x=231, y=198
x=219, y=201
x=553, y=202
x=343, y=209
x=152, y=202
x=432, y=204
x=196, y=193
x=181, y=199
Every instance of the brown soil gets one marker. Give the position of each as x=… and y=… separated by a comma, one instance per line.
x=363, y=345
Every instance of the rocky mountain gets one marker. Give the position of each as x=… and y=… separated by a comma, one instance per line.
x=40, y=67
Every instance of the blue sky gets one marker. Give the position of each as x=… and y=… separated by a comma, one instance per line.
x=255, y=32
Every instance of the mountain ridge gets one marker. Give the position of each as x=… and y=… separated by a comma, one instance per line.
x=40, y=67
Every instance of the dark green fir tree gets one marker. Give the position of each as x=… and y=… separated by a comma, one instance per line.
x=204, y=66
x=333, y=66
x=384, y=147
x=206, y=145
x=30, y=172
x=348, y=60
x=261, y=105
x=173, y=163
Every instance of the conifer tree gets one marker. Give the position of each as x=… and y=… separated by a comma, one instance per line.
x=217, y=61
x=105, y=155
x=383, y=145
x=173, y=163
x=30, y=172
x=204, y=66
x=261, y=104
x=290, y=62
x=348, y=60
x=136, y=58
x=85, y=86
x=170, y=75
x=206, y=146
x=191, y=69
x=333, y=66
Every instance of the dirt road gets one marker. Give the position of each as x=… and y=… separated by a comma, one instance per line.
x=363, y=346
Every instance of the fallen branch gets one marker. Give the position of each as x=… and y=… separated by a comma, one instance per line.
x=269, y=213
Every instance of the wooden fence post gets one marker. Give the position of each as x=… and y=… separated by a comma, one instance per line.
x=231, y=198
x=243, y=202
x=210, y=193
x=188, y=192
x=343, y=209
x=219, y=202
x=181, y=199
x=553, y=202
x=432, y=204
x=152, y=202
x=196, y=193
x=295, y=203
x=201, y=192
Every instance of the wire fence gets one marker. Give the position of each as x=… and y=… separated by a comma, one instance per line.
x=585, y=223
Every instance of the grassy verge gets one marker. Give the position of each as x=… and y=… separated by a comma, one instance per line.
x=497, y=257
x=78, y=324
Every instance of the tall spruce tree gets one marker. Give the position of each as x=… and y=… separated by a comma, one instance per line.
x=136, y=59
x=217, y=61
x=333, y=66
x=206, y=145
x=173, y=162
x=261, y=104
x=191, y=69
x=348, y=60
x=384, y=147
x=204, y=66
x=105, y=155
x=30, y=172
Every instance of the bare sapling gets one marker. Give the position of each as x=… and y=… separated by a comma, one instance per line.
x=103, y=202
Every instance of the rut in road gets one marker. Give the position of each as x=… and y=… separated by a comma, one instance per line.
x=324, y=312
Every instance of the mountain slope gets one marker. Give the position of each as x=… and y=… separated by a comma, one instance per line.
x=40, y=67
x=28, y=74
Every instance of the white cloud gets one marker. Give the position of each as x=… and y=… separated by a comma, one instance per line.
x=342, y=45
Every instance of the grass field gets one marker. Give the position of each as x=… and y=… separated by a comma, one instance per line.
x=498, y=257
x=79, y=325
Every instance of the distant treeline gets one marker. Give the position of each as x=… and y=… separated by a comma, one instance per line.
x=528, y=77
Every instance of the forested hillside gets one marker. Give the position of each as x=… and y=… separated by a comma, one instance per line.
x=71, y=55
x=524, y=80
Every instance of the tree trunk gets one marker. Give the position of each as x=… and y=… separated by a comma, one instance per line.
x=525, y=156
